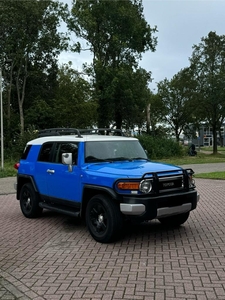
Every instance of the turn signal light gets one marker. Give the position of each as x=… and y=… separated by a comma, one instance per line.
x=128, y=185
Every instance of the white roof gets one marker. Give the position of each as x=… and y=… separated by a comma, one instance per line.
x=74, y=138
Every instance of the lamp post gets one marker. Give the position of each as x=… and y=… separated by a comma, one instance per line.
x=1, y=105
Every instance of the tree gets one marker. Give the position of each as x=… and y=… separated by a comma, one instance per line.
x=117, y=34
x=74, y=105
x=30, y=39
x=177, y=96
x=155, y=115
x=208, y=66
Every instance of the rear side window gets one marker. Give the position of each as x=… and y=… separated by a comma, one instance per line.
x=45, y=152
x=26, y=151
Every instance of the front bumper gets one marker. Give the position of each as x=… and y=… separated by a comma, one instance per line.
x=160, y=206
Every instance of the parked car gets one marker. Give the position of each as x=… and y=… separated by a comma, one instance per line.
x=104, y=178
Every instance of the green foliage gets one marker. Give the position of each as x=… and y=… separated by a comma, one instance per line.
x=117, y=34
x=156, y=111
x=159, y=147
x=8, y=170
x=176, y=98
x=21, y=141
x=30, y=39
x=74, y=105
x=208, y=67
x=40, y=114
x=114, y=30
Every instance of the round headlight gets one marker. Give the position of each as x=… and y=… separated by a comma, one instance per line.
x=145, y=186
x=191, y=182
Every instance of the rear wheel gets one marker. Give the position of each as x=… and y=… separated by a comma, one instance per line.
x=103, y=219
x=176, y=220
x=29, y=201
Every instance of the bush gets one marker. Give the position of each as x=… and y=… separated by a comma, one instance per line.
x=159, y=147
x=21, y=141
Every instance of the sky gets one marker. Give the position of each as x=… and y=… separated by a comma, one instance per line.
x=180, y=24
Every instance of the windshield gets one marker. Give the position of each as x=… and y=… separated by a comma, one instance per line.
x=114, y=150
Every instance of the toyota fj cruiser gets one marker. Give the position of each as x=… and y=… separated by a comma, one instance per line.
x=104, y=178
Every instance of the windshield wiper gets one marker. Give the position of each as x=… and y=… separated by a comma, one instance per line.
x=90, y=159
x=120, y=158
x=139, y=158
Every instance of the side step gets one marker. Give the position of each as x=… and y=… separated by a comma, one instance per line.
x=60, y=209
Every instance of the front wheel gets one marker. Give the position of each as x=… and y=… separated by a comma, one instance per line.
x=174, y=221
x=103, y=219
x=29, y=201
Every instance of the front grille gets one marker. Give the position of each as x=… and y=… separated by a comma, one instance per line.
x=170, y=183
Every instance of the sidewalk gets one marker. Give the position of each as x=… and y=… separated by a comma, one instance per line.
x=7, y=185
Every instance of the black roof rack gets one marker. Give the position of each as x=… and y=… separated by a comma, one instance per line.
x=101, y=131
x=59, y=131
x=72, y=131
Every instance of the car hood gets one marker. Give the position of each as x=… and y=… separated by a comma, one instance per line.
x=132, y=169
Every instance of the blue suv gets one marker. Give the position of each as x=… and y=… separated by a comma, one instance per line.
x=104, y=178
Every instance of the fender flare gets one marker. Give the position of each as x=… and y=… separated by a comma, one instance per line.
x=24, y=178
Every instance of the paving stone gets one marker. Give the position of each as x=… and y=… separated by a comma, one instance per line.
x=55, y=258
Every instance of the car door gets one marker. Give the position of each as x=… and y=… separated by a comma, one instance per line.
x=44, y=162
x=63, y=183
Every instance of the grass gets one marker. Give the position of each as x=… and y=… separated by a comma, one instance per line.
x=201, y=158
x=210, y=149
x=213, y=175
x=8, y=170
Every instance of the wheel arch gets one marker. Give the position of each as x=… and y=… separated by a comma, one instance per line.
x=91, y=191
x=23, y=179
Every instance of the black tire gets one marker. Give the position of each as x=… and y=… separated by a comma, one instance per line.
x=29, y=201
x=103, y=219
x=174, y=221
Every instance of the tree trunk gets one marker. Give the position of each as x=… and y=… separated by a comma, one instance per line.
x=214, y=140
x=118, y=120
x=148, y=118
x=221, y=138
x=21, y=94
x=9, y=102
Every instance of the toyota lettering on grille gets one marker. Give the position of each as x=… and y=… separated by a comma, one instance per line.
x=168, y=184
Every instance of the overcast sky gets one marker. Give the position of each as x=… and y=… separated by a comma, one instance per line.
x=180, y=24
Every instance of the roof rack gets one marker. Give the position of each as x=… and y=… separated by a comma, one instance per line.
x=59, y=131
x=72, y=131
x=101, y=131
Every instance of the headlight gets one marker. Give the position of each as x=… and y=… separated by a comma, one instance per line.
x=145, y=186
x=191, y=181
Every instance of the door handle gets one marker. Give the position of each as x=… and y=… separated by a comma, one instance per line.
x=50, y=171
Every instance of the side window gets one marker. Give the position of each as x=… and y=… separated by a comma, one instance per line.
x=45, y=152
x=66, y=147
x=26, y=151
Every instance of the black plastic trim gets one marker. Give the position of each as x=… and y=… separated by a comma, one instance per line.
x=30, y=178
x=60, y=209
x=104, y=189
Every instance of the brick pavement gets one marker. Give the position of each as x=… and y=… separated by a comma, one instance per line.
x=54, y=257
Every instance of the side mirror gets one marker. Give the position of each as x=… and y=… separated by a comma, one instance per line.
x=67, y=160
